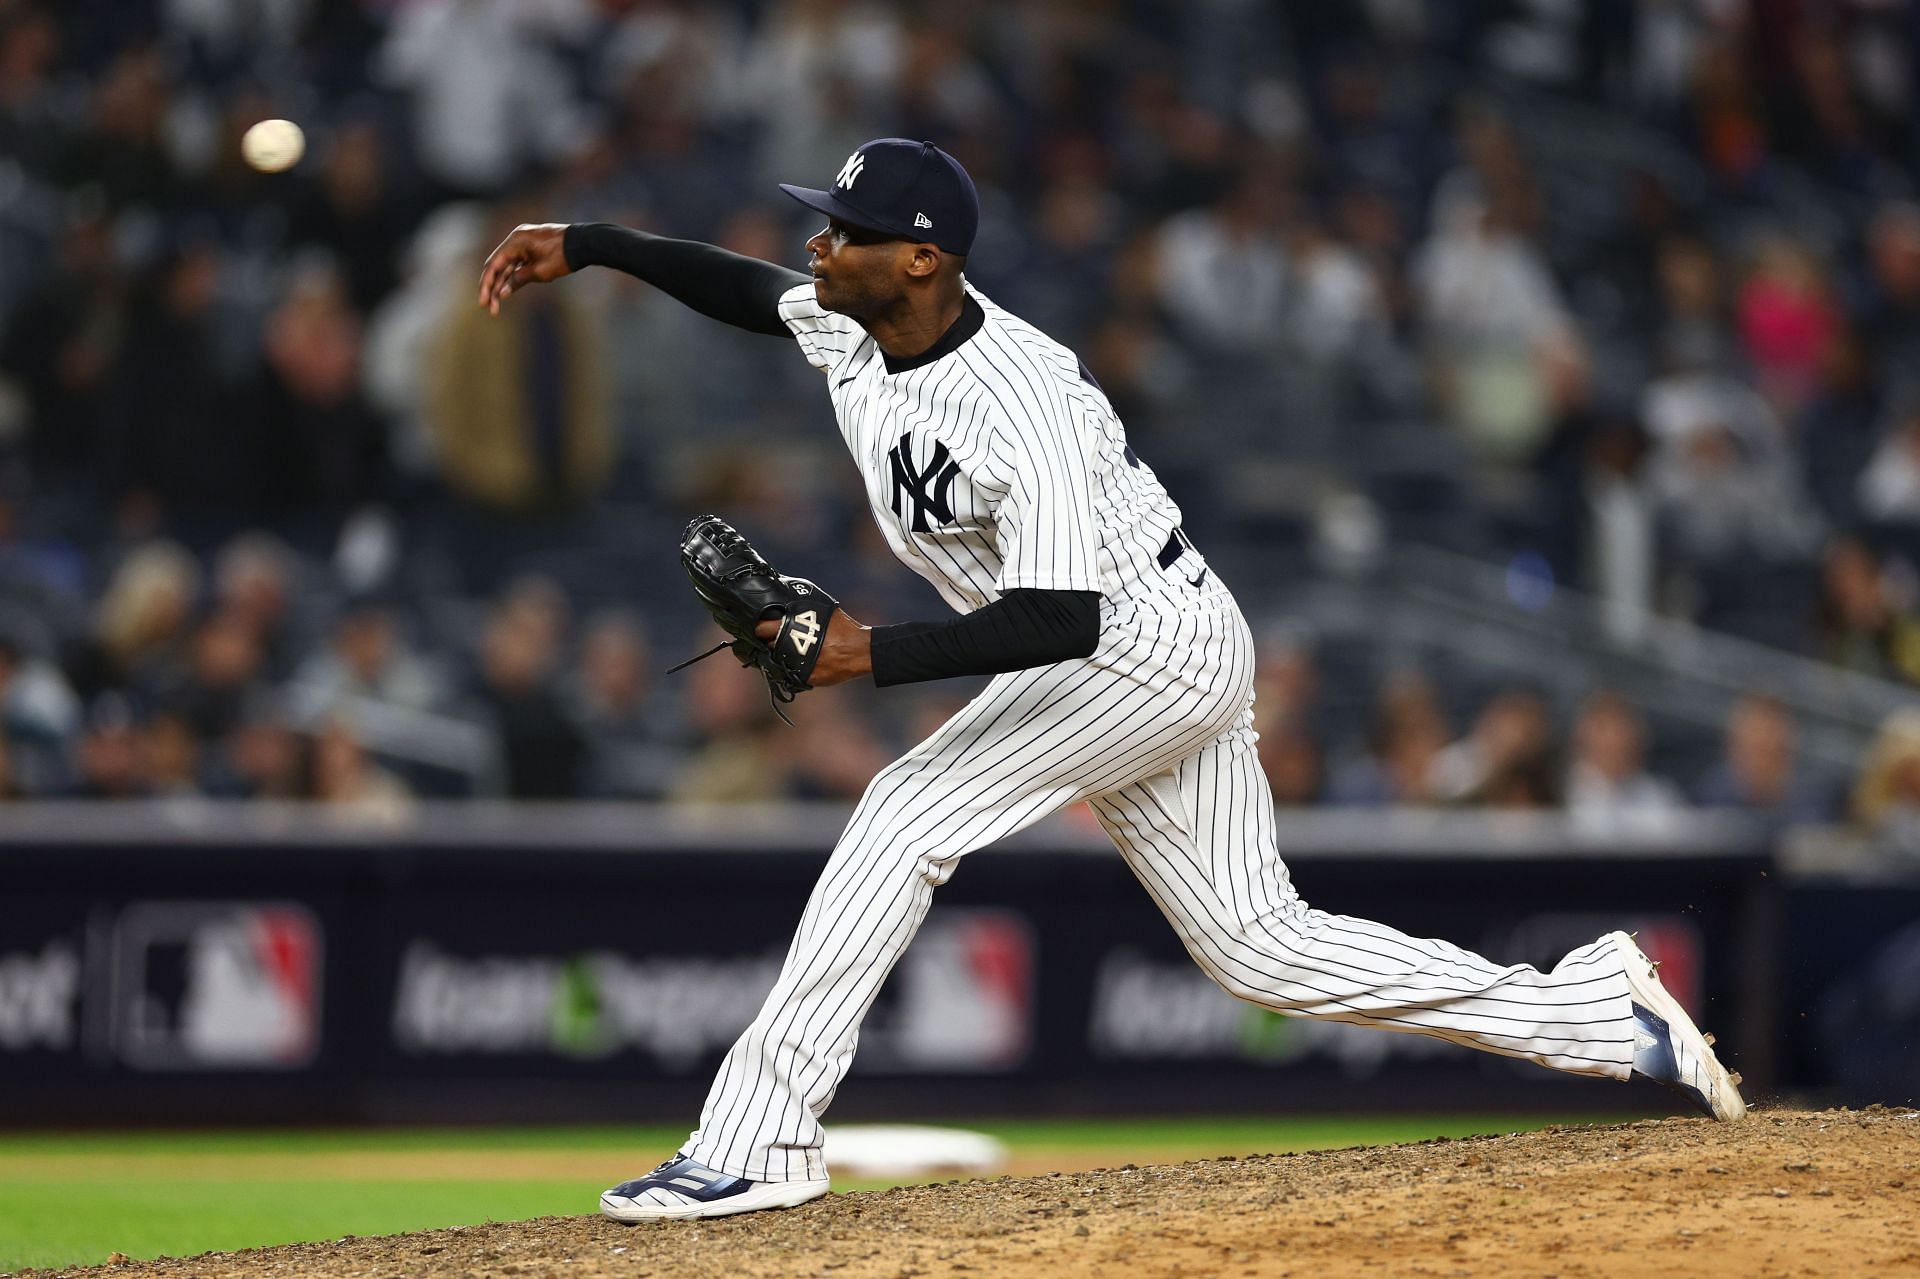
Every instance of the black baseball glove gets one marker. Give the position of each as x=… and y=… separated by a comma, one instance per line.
x=741, y=589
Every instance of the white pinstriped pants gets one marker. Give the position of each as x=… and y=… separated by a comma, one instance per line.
x=1155, y=730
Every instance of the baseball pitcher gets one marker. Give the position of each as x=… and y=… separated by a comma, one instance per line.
x=1122, y=677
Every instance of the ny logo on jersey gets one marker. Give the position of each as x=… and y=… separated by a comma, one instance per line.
x=928, y=490
x=804, y=631
x=850, y=170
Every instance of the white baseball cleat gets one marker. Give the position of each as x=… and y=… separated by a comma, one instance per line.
x=1668, y=1047
x=681, y=1188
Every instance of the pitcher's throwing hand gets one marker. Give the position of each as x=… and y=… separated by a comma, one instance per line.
x=534, y=253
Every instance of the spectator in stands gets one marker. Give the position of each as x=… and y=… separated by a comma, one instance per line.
x=542, y=604
x=1836, y=434
x=1222, y=269
x=353, y=211
x=1286, y=676
x=1409, y=732
x=692, y=55
x=254, y=582
x=170, y=757
x=1727, y=119
x=833, y=753
x=107, y=758
x=487, y=91
x=324, y=453
x=1859, y=623
x=1377, y=135
x=62, y=345
x=1144, y=373
x=141, y=625
x=10, y=789
x=1065, y=264
x=404, y=330
x=631, y=752
x=1291, y=759
x=355, y=790
x=543, y=750
x=518, y=404
x=223, y=673
x=261, y=757
x=1507, y=760
x=171, y=432
x=1666, y=39
x=814, y=76
x=1372, y=226
x=942, y=89
x=1759, y=773
x=1690, y=321
x=1619, y=526
x=1608, y=786
x=1494, y=183
x=366, y=658
x=43, y=574
x=39, y=721
x=737, y=761
x=1890, y=308
x=123, y=146
x=1787, y=318
x=1497, y=332
x=1337, y=312
x=1721, y=470
x=1838, y=143
x=1889, y=486
x=30, y=123
x=1886, y=798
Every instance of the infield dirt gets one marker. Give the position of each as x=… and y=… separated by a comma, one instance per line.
x=1784, y=1194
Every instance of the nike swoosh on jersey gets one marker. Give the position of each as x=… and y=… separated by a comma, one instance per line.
x=1195, y=581
x=843, y=381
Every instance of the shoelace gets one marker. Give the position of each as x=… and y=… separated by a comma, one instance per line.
x=775, y=694
x=672, y=670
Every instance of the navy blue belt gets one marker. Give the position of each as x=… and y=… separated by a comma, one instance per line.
x=1177, y=544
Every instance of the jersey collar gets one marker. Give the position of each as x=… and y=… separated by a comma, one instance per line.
x=971, y=318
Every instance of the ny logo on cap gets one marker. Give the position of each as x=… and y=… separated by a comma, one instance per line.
x=850, y=170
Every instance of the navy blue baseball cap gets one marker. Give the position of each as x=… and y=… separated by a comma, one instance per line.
x=910, y=189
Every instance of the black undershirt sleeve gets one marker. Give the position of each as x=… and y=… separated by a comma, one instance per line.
x=1021, y=629
x=729, y=287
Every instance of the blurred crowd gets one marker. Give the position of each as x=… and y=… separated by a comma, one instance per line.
x=1632, y=288
x=1515, y=750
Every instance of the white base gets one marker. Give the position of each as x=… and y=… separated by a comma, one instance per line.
x=881, y=1152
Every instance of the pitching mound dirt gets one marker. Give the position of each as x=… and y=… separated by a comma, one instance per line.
x=1784, y=1194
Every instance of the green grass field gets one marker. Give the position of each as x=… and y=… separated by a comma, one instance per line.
x=75, y=1199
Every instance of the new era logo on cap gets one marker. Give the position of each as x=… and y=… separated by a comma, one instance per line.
x=903, y=188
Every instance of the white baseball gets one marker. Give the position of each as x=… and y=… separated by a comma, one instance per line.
x=273, y=146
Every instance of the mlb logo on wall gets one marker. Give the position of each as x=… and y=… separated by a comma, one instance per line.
x=216, y=985
x=961, y=999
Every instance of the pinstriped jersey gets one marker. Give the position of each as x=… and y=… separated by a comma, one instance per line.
x=999, y=465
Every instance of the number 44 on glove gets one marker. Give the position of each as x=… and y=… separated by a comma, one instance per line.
x=741, y=590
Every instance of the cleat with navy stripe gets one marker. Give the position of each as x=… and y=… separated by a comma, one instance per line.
x=681, y=1188
x=1668, y=1047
